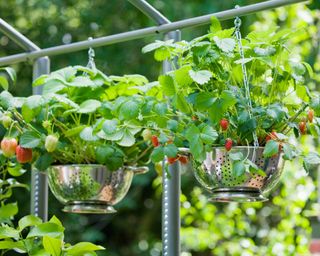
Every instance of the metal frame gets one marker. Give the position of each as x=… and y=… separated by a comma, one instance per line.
x=141, y=33
x=171, y=187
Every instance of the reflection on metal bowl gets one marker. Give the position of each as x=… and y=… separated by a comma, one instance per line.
x=215, y=174
x=90, y=188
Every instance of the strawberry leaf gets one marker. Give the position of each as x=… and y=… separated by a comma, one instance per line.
x=271, y=148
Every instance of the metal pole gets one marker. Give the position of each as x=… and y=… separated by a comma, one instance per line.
x=171, y=179
x=39, y=184
x=141, y=33
x=171, y=192
x=150, y=11
x=17, y=37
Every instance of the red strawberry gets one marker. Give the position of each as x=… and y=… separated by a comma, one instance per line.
x=224, y=124
x=228, y=144
x=24, y=155
x=171, y=160
x=8, y=146
x=310, y=115
x=155, y=141
x=183, y=159
x=302, y=127
x=271, y=136
x=268, y=137
x=274, y=135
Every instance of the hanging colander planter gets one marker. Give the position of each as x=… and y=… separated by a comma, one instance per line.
x=216, y=175
x=90, y=188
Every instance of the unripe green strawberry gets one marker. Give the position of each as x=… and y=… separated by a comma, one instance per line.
x=146, y=134
x=24, y=155
x=8, y=146
x=6, y=121
x=158, y=168
x=51, y=143
x=46, y=124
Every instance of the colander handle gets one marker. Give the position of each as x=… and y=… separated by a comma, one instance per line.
x=139, y=169
x=184, y=151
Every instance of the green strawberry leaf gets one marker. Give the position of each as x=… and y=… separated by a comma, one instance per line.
x=237, y=156
x=167, y=84
x=171, y=150
x=271, y=148
x=238, y=168
x=201, y=76
x=157, y=154
x=30, y=139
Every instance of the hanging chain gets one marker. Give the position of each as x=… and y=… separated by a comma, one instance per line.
x=91, y=54
x=237, y=23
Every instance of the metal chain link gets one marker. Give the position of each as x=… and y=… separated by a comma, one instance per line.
x=237, y=23
x=91, y=54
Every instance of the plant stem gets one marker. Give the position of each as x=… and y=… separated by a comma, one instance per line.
x=293, y=118
x=143, y=153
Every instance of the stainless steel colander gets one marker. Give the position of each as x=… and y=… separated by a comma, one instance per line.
x=90, y=188
x=215, y=175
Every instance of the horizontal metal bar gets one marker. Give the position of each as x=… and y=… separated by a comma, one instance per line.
x=150, y=11
x=17, y=37
x=141, y=33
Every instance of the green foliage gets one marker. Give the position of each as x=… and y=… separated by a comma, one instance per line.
x=209, y=86
x=41, y=238
x=31, y=236
x=88, y=112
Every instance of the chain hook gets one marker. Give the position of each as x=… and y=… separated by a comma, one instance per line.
x=237, y=23
x=91, y=54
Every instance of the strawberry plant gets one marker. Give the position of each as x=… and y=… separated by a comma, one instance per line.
x=207, y=85
x=85, y=117
x=28, y=235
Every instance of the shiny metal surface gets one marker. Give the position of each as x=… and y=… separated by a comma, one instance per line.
x=240, y=195
x=215, y=173
x=90, y=188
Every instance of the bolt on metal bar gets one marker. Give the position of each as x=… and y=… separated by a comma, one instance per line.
x=150, y=11
x=17, y=37
x=39, y=184
x=141, y=33
x=171, y=191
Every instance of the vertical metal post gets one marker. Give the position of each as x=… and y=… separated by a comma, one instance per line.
x=39, y=184
x=171, y=193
